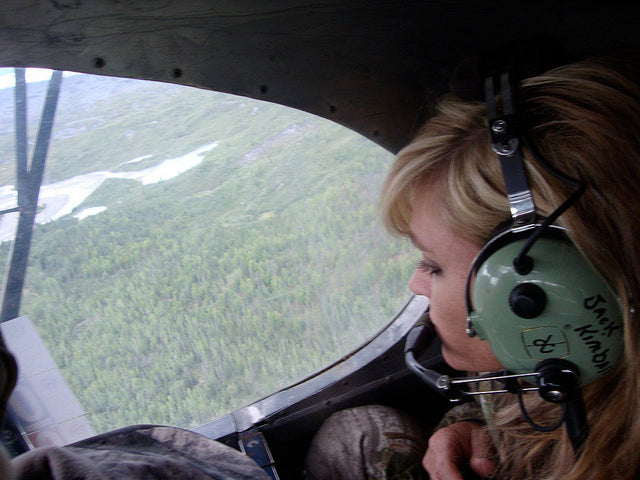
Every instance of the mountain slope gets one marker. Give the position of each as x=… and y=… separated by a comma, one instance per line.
x=189, y=297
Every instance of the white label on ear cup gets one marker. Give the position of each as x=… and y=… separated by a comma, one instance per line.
x=545, y=342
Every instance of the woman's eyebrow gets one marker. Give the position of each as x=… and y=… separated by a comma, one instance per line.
x=417, y=243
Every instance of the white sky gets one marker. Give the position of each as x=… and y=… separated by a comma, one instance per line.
x=7, y=80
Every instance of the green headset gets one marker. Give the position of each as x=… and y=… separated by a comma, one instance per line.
x=560, y=309
x=530, y=293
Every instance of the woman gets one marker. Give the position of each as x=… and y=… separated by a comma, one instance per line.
x=446, y=192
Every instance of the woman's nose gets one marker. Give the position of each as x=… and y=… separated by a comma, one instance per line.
x=420, y=283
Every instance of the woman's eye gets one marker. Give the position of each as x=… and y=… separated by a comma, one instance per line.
x=428, y=268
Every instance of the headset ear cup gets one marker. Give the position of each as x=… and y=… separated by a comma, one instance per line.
x=499, y=235
x=561, y=309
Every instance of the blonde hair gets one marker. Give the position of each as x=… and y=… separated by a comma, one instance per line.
x=584, y=119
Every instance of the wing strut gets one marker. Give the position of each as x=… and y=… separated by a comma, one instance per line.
x=28, y=182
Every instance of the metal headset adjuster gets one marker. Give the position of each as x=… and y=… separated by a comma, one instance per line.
x=506, y=143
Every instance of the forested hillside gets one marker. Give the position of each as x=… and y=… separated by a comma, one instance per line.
x=190, y=297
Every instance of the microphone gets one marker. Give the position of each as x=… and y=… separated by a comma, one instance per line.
x=419, y=338
x=556, y=380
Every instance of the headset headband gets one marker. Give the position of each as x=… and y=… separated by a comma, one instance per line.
x=505, y=141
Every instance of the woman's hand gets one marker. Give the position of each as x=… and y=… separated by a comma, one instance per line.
x=459, y=444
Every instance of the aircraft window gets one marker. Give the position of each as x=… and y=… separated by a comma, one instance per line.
x=195, y=251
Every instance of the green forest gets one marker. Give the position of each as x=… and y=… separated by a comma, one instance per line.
x=188, y=298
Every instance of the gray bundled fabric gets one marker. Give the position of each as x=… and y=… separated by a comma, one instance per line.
x=139, y=452
x=372, y=442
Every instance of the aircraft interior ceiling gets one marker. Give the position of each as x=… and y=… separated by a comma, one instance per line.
x=374, y=66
